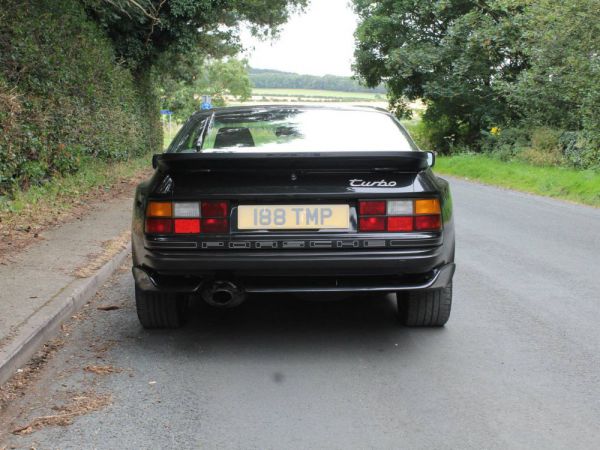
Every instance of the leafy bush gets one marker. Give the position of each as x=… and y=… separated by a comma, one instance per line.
x=542, y=146
x=418, y=131
x=505, y=144
x=438, y=132
x=545, y=149
x=64, y=96
x=578, y=151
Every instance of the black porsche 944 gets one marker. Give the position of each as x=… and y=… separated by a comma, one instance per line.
x=286, y=199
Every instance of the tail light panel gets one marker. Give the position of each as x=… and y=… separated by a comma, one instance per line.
x=372, y=223
x=218, y=209
x=376, y=208
x=206, y=217
x=212, y=217
x=187, y=226
x=400, y=216
x=159, y=226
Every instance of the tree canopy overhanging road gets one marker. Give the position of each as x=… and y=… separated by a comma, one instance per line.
x=516, y=367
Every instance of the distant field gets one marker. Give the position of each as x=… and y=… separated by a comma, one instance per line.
x=315, y=93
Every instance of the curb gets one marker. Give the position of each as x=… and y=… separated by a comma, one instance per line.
x=44, y=324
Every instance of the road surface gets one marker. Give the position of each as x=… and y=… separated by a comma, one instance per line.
x=517, y=366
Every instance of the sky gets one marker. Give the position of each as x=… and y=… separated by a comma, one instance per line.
x=318, y=42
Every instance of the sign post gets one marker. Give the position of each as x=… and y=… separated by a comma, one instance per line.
x=206, y=103
x=166, y=112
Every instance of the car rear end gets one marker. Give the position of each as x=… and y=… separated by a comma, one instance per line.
x=221, y=224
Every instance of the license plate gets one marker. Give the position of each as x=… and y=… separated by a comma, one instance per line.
x=293, y=217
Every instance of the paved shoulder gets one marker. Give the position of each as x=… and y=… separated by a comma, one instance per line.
x=36, y=283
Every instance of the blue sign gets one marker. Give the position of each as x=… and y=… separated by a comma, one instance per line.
x=206, y=102
x=166, y=112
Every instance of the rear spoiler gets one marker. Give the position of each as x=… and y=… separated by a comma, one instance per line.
x=413, y=161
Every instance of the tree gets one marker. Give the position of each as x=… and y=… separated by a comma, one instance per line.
x=450, y=54
x=480, y=64
x=216, y=78
x=267, y=78
x=147, y=32
x=561, y=87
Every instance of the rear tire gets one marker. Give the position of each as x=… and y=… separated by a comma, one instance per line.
x=160, y=309
x=425, y=308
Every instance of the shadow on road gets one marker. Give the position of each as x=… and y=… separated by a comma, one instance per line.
x=297, y=315
x=269, y=326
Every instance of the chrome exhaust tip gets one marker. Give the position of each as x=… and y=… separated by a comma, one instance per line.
x=223, y=294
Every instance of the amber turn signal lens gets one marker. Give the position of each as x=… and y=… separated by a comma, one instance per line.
x=159, y=209
x=429, y=206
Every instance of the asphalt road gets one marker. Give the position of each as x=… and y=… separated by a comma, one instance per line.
x=518, y=365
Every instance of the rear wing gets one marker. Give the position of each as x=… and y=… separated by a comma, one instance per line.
x=411, y=161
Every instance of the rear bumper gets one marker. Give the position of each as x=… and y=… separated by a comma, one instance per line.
x=436, y=279
x=307, y=271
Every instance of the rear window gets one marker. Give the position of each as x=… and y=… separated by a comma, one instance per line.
x=291, y=130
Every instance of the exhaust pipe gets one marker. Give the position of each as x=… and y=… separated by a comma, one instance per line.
x=223, y=294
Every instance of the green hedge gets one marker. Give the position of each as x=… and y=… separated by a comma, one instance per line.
x=64, y=97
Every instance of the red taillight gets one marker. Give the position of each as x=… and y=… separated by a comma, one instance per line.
x=187, y=226
x=159, y=226
x=428, y=223
x=400, y=215
x=215, y=225
x=372, y=208
x=400, y=223
x=372, y=224
x=217, y=209
x=187, y=217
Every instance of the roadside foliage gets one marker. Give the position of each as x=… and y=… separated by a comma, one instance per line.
x=64, y=95
x=516, y=77
x=216, y=78
x=79, y=78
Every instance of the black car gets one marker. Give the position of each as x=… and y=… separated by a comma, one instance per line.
x=292, y=199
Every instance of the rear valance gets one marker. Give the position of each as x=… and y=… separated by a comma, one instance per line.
x=334, y=161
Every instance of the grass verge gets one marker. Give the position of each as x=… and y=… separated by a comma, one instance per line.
x=27, y=213
x=61, y=191
x=580, y=186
